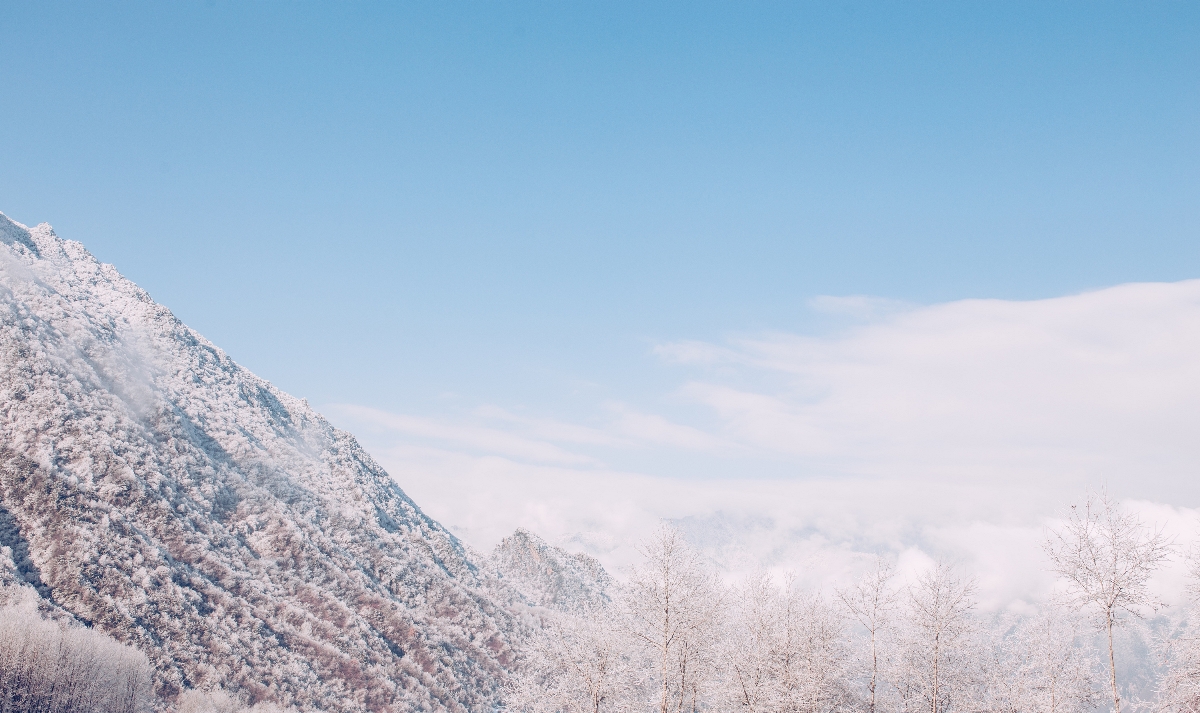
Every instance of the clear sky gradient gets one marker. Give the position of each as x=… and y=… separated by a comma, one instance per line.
x=386, y=203
x=581, y=266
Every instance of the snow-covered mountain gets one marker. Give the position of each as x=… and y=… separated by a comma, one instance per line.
x=161, y=493
x=542, y=575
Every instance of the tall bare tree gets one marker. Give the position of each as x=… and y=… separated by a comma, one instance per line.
x=872, y=603
x=817, y=676
x=674, y=605
x=752, y=656
x=1107, y=555
x=1179, y=685
x=1039, y=665
x=936, y=666
x=579, y=662
x=785, y=651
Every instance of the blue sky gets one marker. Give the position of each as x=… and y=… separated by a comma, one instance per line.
x=818, y=280
x=385, y=203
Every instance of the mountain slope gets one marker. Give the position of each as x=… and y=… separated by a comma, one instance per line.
x=158, y=491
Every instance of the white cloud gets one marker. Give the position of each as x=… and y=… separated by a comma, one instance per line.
x=473, y=438
x=950, y=430
x=1102, y=385
x=653, y=429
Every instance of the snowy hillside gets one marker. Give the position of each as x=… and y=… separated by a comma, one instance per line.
x=163, y=494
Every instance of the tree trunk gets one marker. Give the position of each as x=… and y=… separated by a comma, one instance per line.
x=933, y=693
x=874, y=669
x=1112, y=662
x=664, y=708
x=666, y=644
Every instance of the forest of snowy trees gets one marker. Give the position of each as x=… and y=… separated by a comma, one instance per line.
x=675, y=639
x=47, y=667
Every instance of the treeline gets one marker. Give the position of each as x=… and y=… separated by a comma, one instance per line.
x=49, y=667
x=674, y=639
x=46, y=667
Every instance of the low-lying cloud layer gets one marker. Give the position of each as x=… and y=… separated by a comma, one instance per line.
x=953, y=430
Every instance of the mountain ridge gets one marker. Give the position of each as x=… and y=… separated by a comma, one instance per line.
x=544, y=576
x=160, y=492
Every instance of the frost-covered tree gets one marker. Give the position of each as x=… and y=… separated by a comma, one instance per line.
x=1107, y=555
x=752, y=656
x=220, y=701
x=675, y=639
x=1038, y=664
x=935, y=670
x=1179, y=685
x=674, y=606
x=871, y=602
x=785, y=650
x=47, y=667
x=217, y=701
x=816, y=677
x=579, y=662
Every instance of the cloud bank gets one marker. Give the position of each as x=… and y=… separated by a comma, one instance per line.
x=952, y=430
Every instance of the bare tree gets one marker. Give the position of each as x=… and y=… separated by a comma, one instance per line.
x=784, y=651
x=935, y=669
x=749, y=647
x=752, y=655
x=816, y=677
x=1107, y=555
x=1179, y=685
x=872, y=603
x=1038, y=665
x=577, y=663
x=674, y=605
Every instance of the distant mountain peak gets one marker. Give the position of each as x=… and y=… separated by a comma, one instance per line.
x=548, y=576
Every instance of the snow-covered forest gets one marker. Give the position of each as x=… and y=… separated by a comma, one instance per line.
x=154, y=491
x=674, y=638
